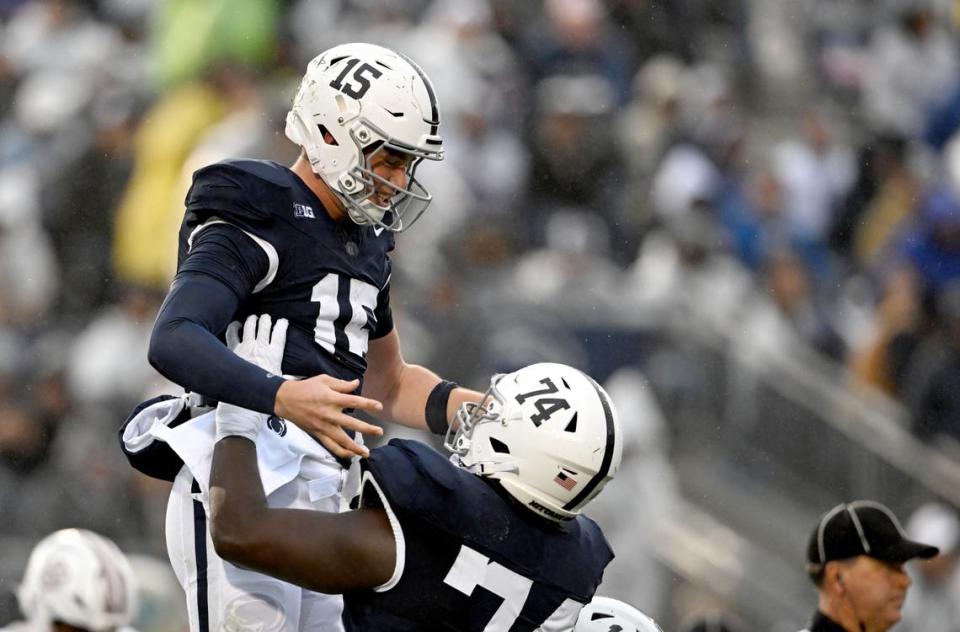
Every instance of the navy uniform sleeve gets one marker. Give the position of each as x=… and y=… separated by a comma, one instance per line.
x=224, y=252
x=223, y=267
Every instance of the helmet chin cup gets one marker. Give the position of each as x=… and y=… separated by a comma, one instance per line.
x=355, y=194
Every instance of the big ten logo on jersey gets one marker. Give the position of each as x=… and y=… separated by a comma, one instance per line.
x=346, y=316
x=303, y=211
x=473, y=569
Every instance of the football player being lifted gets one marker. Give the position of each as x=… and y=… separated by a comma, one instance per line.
x=309, y=244
x=490, y=539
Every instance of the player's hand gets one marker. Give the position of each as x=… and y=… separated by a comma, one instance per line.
x=316, y=405
x=260, y=343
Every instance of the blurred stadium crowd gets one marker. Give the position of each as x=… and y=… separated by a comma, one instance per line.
x=783, y=174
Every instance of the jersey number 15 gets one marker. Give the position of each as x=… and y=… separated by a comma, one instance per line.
x=345, y=317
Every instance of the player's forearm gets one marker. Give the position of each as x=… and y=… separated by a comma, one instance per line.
x=244, y=529
x=237, y=500
x=189, y=355
x=407, y=402
x=330, y=553
x=403, y=388
x=185, y=349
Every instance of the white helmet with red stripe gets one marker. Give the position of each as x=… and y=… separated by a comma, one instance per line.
x=548, y=433
x=358, y=99
x=79, y=578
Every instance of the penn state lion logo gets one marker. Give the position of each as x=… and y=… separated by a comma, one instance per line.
x=253, y=613
x=277, y=425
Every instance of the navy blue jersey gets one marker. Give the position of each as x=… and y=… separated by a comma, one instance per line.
x=469, y=557
x=283, y=255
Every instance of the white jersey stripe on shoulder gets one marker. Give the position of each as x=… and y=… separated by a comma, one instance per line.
x=273, y=259
x=397, y=532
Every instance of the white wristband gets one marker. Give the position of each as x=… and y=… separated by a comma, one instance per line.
x=233, y=421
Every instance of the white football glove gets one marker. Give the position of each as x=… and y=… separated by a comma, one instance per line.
x=256, y=345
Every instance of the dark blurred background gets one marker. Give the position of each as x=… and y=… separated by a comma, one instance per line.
x=742, y=216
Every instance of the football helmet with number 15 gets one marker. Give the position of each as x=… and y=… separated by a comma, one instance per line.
x=357, y=99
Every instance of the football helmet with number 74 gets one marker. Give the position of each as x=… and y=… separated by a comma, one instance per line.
x=547, y=432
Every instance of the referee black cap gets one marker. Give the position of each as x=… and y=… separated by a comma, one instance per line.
x=862, y=527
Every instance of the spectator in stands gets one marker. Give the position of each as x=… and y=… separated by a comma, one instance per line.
x=890, y=208
x=815, y=170
x=880, y=357
x=106, y=362
x=28, y=269
x=933, y=245
x=879, y=160
x=932, y=386
x=789, y=314
x=855, y=558
x=711, y=623
x=576, y=37
x=575, y=161
x=24, y=441
x=897, y=94
x=933, y=604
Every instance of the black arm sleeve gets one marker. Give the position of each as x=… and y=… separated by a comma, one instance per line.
x=203, y=299
x=384, y=314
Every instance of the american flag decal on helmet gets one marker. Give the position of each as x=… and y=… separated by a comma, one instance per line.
x=564, y=481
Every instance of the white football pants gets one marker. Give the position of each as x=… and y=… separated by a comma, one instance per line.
x=224, y=597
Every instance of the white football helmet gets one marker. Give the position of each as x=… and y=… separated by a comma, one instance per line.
x=548, y=433
x=604, y=614
x=357, y=99
x=79, y=578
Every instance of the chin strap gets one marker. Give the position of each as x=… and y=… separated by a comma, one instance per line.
x=483, y=469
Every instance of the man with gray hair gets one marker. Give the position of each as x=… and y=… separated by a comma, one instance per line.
x=855, y=558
